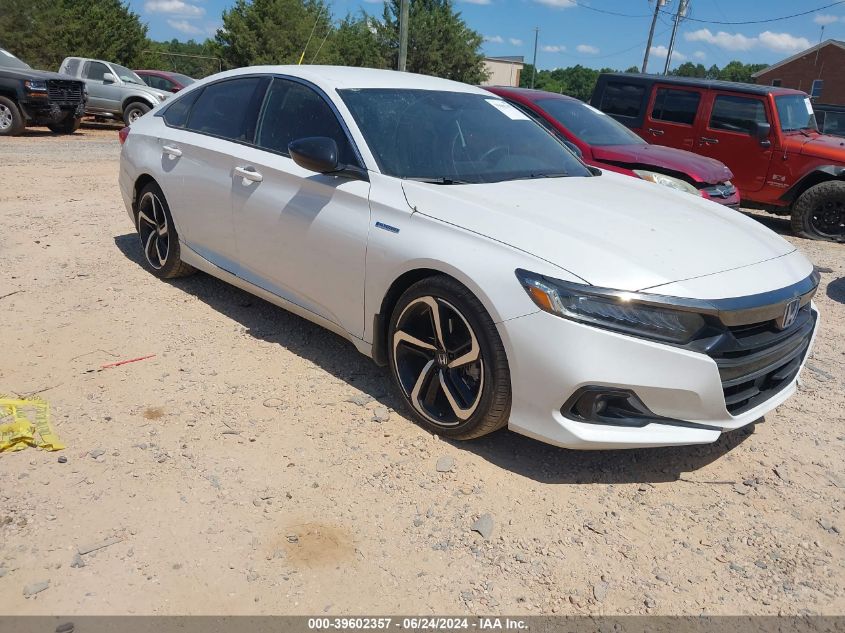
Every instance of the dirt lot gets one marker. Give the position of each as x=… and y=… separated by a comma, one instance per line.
x=249, y=468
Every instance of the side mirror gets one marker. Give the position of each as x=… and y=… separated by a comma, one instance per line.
x=761, y=131
x=572, y=147
x=108, y=78
x=315, y=153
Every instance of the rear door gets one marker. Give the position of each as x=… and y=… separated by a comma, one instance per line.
x=671, y=116
x=726, y=133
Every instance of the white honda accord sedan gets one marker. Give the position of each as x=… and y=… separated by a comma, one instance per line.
x=447, y=235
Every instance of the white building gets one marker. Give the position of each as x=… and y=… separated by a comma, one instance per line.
x=503, y=71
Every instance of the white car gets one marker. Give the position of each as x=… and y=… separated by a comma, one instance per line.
x=447, y=235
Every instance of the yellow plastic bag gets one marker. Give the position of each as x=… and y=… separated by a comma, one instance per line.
x=26, y=422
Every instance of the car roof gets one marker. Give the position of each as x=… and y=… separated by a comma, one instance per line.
x=695, y=82
x=346, y=77
x=529, y=94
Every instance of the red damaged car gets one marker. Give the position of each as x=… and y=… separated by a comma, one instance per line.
x=605, y=143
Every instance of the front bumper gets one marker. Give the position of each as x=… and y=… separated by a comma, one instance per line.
x=45, y=111
x=551, y=358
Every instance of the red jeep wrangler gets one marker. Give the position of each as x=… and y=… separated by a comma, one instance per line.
x=766, y=135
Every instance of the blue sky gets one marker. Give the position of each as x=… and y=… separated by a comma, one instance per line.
x=576, y=32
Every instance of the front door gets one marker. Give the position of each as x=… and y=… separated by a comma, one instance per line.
x=671, y=116
x=301, y=235
x=727, y=133
x=103, y=96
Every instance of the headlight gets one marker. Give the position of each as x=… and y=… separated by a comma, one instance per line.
x=36, y=86
x=630, y=313
x=161, y=97
x=667, y=181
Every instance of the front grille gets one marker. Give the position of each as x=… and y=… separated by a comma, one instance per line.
x=64, y=92
x=722, y=190
x=758, y=360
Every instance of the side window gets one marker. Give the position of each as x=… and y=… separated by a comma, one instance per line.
x=228, y=109
x=71, y=67
x=164, y=84
x=176, y=114
x=834, y=123
x=622, y=99
x=294, y=111
x=95, y=70
x=736, y=114
x=675, y=106
x=151, y=80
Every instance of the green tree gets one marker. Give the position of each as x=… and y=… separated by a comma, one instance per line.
x=737, y=71
x=688, y=69
x=195, y=59
x=258, y=32
x=632, y=69
x=354, y=43
x=439, y=41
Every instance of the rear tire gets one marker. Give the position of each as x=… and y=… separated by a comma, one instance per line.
x=819, y=212
x=68, y=125
x=159, y=239
x=134, y=111
x=11, y=120
x=453, y=378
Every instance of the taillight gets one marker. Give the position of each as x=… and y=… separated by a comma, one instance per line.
x=123, y=134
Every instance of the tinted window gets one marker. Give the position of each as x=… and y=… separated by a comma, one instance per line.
x=456, y=137
x=588, y=124
x=834, y=123
x=10, y=61
x=228, y=108
x=72, y=67
x=736, y=114
x=176, y=114
x=293, y=111
x=96, y=70
x=675, y=106
x=622, y=99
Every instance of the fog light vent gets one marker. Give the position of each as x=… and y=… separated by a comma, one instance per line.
x=606, y=405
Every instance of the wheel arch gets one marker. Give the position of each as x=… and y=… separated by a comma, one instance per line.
x=817, y=176
x=135, y=99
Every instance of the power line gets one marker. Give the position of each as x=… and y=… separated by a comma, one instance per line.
x=606, y=12
x=784, y=17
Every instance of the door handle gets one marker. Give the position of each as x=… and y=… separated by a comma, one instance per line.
x=707, y=140
x=173, y=152
x=249, y=173
x=655, y=131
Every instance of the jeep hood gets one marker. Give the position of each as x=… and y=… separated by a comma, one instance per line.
x=611, y=230
x=24, y=74
x=825, y=146
x=701, y=168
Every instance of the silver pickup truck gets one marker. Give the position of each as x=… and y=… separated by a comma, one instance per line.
x=114, y=91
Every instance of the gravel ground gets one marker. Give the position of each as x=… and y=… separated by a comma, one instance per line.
x=256, y=464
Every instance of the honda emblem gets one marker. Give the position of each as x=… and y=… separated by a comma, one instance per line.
x=790, y=313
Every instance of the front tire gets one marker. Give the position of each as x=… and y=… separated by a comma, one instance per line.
x=447, y=360
x=819, y=213
x=159, y=239
x=11, y=120
x=134, y=111
x=68, y=125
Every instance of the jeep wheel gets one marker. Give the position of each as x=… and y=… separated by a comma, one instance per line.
x=134, y=111
x=68, y=125
x=11, y=121
x=819, y=213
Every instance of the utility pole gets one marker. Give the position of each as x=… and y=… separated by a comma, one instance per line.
x=682, y=12
x=403, y=34
x=534, y=64
x=659, y=4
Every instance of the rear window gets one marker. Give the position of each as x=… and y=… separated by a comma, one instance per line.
x=72, y=67
x=622, y=99
x=737, y=114
x=229, y=109
x=176, y=114
x=675, y=106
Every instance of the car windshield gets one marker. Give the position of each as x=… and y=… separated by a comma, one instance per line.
x=126, y=75
x=795, y=113
x=455, y=137
x=183, y=79
x=7, y=60
x=588, y=124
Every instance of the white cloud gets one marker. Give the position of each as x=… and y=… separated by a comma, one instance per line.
x=722, y=39
x=515, y=41
x=173, y=7
x=659, y=51
x=183, y=26
x=700, y=55
x=558, y=4
x=587, y=49
x=824, y=19
x=784, y=42
x=553, y=49
x=495, y=39
x=779, y=42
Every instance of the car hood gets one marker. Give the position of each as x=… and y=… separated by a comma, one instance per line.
x=824, y=146
x=611, y=231
x=149, y=90
x=700, y=168
x=35, y=74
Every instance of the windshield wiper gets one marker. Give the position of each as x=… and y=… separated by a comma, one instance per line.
x=557, y=174
x=440, y=181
